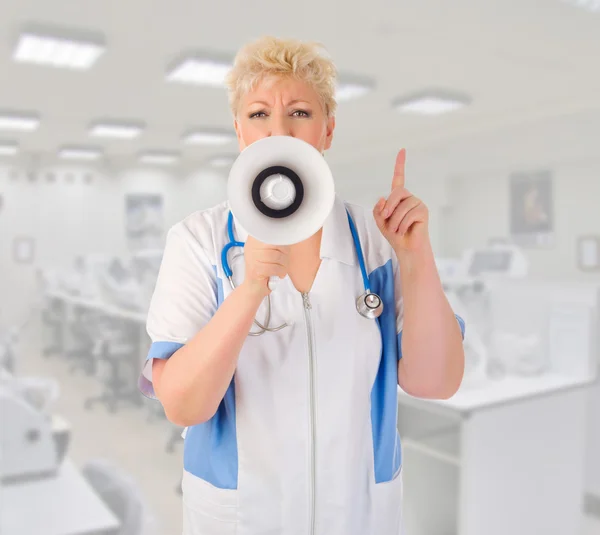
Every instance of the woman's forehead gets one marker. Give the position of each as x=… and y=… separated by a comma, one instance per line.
x=289, y=89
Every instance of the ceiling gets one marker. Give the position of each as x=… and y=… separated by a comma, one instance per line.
x=519, y=60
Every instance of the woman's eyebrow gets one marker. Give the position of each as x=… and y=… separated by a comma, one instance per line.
x=264, y=103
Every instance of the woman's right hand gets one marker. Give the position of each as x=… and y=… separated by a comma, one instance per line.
x=263, y=262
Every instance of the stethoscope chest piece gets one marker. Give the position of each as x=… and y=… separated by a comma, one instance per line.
x=369, y=305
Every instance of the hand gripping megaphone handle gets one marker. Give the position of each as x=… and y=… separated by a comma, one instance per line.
x=273, y=282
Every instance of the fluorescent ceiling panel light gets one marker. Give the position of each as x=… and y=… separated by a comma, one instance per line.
x=56, y=48
x=352, y=87
x=79, y=153
x=222, y=161
x=587, y=5
x=116, y=130
x=8, y=149
x=159, y=158
x=200, y=69
x=210, y=137
x=347, y=92
x=17, y=121
x=431, y=103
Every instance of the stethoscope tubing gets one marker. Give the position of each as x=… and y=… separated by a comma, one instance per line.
x=265, y=328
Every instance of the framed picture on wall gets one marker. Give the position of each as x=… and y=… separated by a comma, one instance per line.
x=23, y=250
x=144, y=221
x=532, y=209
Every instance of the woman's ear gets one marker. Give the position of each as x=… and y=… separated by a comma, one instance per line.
x=329, y=132
x=238, y=133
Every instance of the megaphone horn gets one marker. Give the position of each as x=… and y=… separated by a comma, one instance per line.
x=280, y=190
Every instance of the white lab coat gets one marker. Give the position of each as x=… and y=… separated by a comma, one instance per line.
x=305, y=439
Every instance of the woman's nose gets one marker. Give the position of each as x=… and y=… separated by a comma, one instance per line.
x=280, y=126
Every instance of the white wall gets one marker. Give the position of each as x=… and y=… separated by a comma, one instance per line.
x=364, y=182
x=479, y=210
x=69, y=216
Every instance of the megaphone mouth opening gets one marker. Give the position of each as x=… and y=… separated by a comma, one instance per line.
x=277, y=213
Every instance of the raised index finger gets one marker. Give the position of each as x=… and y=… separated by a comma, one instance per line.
x=398, y=179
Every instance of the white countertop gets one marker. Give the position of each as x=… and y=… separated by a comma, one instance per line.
x=500, y=391
x=61, y=505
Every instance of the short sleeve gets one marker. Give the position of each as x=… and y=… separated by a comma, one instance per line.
x=184, y=300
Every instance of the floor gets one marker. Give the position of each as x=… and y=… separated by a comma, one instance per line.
x=131, y=440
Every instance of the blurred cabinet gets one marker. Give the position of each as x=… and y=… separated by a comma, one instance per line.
x=509, y=467
x=507, y=454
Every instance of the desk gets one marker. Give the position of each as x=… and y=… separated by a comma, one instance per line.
x=136, y=318
x=505, y=457
x=99, y=306
x=62, y=505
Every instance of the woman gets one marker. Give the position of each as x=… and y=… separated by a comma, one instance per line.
x=294, y=431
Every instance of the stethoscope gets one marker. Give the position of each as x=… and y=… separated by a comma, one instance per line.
x=369, y=304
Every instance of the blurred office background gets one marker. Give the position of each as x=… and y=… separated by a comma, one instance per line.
x=114, y=125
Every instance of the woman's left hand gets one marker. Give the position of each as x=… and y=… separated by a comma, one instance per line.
x=402, y=218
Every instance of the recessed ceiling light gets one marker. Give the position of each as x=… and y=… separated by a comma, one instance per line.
x=159, y=158
x=57, y=48
x=24, y=122
x=587, y=5
x=351, y=87
x=209, y=136
x=8, y=148
x=431, y=103
x=116, y=129
x=222, y=161
x=200, y=69
x=79, y=153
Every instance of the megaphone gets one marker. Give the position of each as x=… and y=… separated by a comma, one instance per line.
x=281, y=190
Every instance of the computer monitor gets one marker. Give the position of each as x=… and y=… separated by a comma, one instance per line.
x=490, y=261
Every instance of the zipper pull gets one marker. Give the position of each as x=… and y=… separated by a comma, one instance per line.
x=306, y=300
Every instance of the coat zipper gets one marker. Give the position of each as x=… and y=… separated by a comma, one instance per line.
x=311, y=364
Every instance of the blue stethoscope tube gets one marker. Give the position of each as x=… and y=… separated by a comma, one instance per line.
x=232, y=243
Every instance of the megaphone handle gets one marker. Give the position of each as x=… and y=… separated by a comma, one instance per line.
x=273, y=282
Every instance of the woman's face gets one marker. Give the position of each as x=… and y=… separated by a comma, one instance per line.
x=285, y=107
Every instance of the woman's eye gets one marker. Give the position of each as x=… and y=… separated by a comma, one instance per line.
x=257, y=114
x=302, y=113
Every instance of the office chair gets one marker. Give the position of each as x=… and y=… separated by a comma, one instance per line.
x=121, y=495
x=52, y=320
x=117, y=351
x=81, y=350
x=174, y=439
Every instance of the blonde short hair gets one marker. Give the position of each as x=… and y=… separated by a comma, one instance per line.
x=275, y=57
